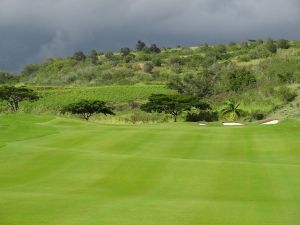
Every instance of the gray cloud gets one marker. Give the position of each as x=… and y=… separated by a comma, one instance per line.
x=34, y=30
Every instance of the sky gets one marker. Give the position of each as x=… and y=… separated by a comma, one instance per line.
x=34, y=30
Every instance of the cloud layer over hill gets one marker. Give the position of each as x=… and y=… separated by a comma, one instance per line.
x=34, y=30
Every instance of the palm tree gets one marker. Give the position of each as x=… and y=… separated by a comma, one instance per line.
x=231, y=110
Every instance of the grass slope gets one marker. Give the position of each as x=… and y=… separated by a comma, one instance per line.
x=54, y=98
x=57, y=171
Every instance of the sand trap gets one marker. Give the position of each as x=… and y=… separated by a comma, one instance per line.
x=233, y=124
x=202, y=124
x=273, y=122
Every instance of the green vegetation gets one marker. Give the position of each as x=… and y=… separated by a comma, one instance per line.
x=69, y=172
x=87, y=108
x=61, y=170
x=263, y=76
x=174, y=105
x=14, y=95
x=232, y=111
x=7, y=78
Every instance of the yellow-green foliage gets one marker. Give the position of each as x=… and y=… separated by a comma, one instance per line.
x=53, y=98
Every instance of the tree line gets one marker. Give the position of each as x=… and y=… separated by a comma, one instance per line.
x=173, y=105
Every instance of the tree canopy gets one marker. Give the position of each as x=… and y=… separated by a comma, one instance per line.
x=14, y=95
x=172, y=104
x=125, y=51
x=79, y=56
x=86, y=108
x=140, y=45
x=271, y=46
x=6, y=78
x=239, y=79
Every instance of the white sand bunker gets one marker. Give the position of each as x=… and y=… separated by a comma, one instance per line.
x=273, y=122
x=233, y=124
x=202, y=124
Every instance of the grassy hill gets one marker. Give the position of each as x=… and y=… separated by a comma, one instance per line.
x=98, y=68
x=263, y=76
x=70, y=172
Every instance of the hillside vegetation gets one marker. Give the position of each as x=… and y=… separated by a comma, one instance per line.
x=262, y=76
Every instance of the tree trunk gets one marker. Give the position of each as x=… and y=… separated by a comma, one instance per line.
x=14, y=106
x=86, y=116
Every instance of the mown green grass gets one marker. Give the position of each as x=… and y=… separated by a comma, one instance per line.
x=57, y=171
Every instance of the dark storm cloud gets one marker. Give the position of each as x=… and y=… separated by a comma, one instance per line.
x=33, y=30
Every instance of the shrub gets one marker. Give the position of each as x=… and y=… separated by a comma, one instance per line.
x=257, y=116
x=7, y=78
x=271, y=46
x=148, y=67
x=286, y=78
x=125, y=51
x=156, y=61
x=284, y=44
x=109, y=56
x=207, y=116
x=154, y=49
x=140, y=45
x=79, y=56
x=239, y=79
x=286, y=94
x=221, y=48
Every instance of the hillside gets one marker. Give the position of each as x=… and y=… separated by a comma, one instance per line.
x=159, y=65
x=263, y=76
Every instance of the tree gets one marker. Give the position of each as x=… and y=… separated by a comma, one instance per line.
x=94, y=57
x=129, y=58
x=284, y=44
x=154, y=49
x=239, y=79
x=14, y=95
x=6, y=78
x=232, y=110
x=79, y=56
x=172, y=104
x=140, y=45
x=86, y=108
x=271, y=46
x=125, y=51
x=200, y=85
x=110, y=56
x=30, y=69
x=156, y=61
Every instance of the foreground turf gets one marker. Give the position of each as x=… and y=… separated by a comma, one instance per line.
x=67, y=172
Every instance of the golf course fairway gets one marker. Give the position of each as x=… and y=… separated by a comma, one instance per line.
x=59, y=171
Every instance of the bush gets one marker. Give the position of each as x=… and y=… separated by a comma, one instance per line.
x=110, y=56
x=148, y=67
x=207, y=116
x=239, y=79
x=257, y=116
x=125, y=51
x=286, y=94
x=284, y=44
x=271, y=46
x=156, y=61
x=7, y=78
x=286, y=78
x=154, y=49
x=79, y=56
